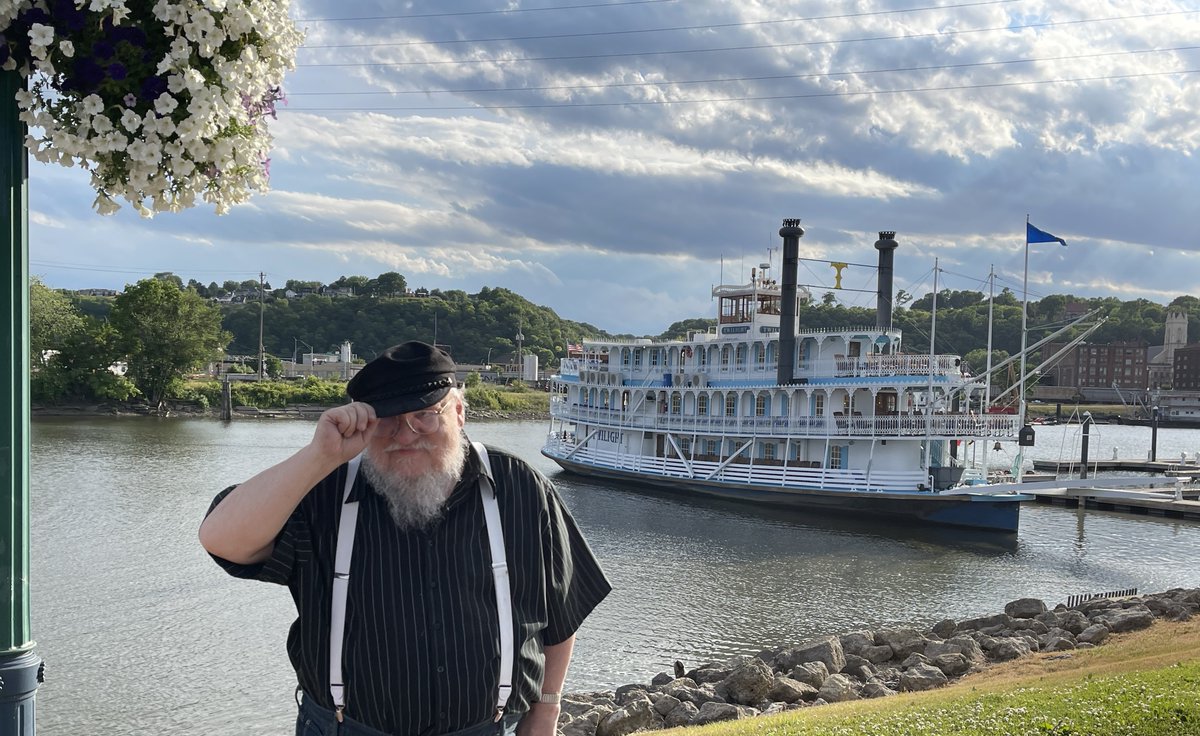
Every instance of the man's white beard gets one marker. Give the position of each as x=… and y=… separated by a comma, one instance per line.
x=415, y=502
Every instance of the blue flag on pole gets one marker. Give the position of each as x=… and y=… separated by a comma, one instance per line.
x=1034, y=235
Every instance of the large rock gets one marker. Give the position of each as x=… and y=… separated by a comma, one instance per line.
x=1124, y=619
x=838, y=688
x=637, y=716
x=810, y=673
x=626, y=694
x=713, y=712
x=902, y=641
x=686, y=690
x=788, y=690
x=662, y=678
x=922, y=677
x=1093, y=634
x=827, y=650
x=1073, y=621
x=1024, y=608
x=945, y=628
x=963, y=645
x=748, y=683
x=875, y=688
x=856, y=641
x=682, y=715
x=1009, y=648
x=952, y=664
x=986, y=623
x=665, y=704
x=1029, y=624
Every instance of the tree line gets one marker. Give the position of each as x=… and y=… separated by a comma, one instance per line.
x=162, y=328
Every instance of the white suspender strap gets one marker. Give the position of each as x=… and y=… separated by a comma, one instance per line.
x=491, y=515
x=347, y=522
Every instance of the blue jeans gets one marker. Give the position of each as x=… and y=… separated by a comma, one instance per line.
x=314, y=720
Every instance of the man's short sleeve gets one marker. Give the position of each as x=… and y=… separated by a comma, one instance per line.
x=292, y=546
x=575, y=584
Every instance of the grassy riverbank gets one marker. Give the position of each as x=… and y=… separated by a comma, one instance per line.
x=308, y=397
x=1145, y=683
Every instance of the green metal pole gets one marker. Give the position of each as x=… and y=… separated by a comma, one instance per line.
x=20, y=668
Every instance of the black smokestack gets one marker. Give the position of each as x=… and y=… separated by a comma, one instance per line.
x=791, y=232
x=883, y=299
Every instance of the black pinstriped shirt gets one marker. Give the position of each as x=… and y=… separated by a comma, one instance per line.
x=422, y=650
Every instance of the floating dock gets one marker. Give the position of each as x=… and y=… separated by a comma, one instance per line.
x=1180, y=502
x=1136, y=466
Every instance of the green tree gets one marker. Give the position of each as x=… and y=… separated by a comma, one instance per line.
x=86, y=368
x=390, y=284
x=165, y=332
x=52, y=320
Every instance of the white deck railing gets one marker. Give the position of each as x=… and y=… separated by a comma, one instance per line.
x=783, y=477
x=894, y=425
x=868, y=367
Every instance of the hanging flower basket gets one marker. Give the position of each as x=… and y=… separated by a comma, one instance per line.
x=165, y=103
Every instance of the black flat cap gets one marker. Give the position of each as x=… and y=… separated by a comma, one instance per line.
x=406, y=377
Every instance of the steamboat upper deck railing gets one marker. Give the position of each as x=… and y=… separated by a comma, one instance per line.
x=881, y=426
x=870, y=366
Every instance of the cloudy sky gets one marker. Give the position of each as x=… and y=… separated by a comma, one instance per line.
x=611, y=159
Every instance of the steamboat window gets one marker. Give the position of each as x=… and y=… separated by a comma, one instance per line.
x=731, y=405
x=686, y=446
x=836, y=456
x=758, y=356
x=768, y=451
x=653, y=358
x=725, y=357
x=637, y=358
x=741, y=356
x=702, y=404
x=710, y=448
x=760, y=406
x=818, y=405
x=676, y=403
x=625, y=357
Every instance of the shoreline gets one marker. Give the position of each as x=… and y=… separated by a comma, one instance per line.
x=861, y=665
x=299, y=411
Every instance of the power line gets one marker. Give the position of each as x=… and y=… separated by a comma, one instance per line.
x=770, y=77
x=462, y=13
x=105, y=269
x=744, y=24
x=753, y=47
x=804, y=96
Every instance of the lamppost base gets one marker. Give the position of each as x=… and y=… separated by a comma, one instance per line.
x=20, y=675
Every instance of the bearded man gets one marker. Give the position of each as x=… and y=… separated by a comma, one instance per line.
x=438, y=583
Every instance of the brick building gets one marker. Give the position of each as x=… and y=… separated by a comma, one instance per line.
x=1187, y=368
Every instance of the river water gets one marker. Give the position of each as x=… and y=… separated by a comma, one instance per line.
x=143, y=634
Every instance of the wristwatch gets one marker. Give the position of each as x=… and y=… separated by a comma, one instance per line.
x=551, y=698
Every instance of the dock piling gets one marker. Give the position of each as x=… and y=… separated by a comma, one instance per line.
x=1083, y=451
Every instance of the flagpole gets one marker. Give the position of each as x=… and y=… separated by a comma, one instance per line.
x=1024, y=331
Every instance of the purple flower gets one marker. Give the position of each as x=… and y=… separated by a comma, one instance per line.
x=86, y=75
x=103, y=50
x=117, y=72
x=68, y=17
x=153, y=86
x=130, y=100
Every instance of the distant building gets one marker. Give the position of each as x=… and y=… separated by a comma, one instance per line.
x=1186, y=373
x=1161, y=358
x=96, y=292
x=1098, y=371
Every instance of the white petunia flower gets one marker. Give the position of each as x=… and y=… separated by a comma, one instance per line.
x=165, y=104
x=41, y=35
x=66, y=48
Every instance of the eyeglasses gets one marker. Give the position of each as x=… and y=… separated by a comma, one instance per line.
x=424, y=422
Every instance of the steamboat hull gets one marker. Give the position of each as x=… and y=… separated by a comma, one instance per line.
x=999, y=513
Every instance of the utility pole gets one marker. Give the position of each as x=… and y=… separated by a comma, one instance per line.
x=261, y=364
x=20, y=667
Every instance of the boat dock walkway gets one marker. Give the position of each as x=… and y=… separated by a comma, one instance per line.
x=1179, y=502
x=1167, y=467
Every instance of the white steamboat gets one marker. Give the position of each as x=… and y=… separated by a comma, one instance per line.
x=839, y=419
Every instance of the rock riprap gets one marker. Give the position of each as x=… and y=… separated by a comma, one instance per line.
x=862, y=664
